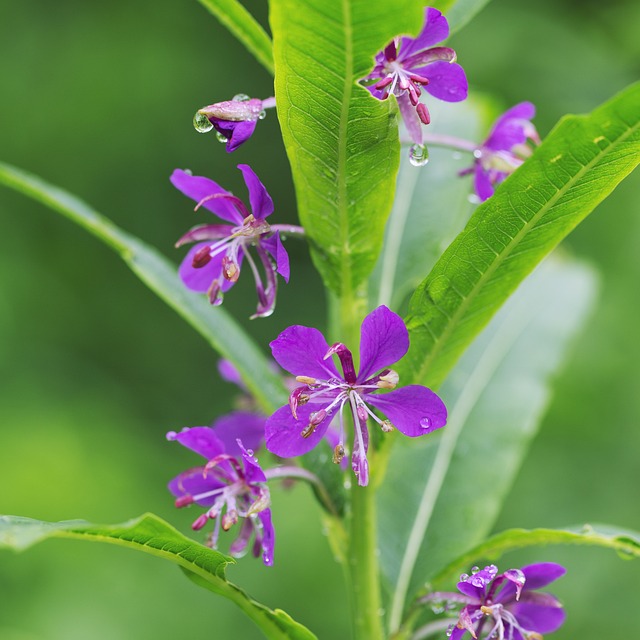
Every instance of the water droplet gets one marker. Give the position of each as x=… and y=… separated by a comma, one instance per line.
x=449, y=630
x=475, y=569
x=262, y=115
x=425, y=422
x=347, y=484
x=437, y=609
x=221, y=137
x=418, y=155
x=464, y=576
x=249, y=452
x=477, y=154
x=473, y=198
x=456, y=155
x=241, y=97
x=201, y=123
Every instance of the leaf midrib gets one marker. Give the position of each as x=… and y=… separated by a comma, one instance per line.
x=500, y=258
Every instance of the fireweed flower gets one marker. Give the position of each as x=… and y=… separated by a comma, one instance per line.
x=299, y=426
x=213, y=265
x=408, y=65
x=234, y=120
x=230, y=487
x=506, y=606
x=504, y=150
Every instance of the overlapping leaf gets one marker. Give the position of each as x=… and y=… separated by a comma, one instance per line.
x=152, y=535
x=577, y=166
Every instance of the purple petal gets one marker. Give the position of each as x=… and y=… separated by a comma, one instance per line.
x=482, y=183
x=457, y=633
x=252, y=467
x=275, y=247
x=202, y=440
x=283, y=431
x=436, y=29
x=240, y=133
x=542, y=617
x=447, y=81
x=205, y=232
x=193, y=482
x=512, y=128
x=384, y=339
x=198, y=188
x=541, y=574
x=261, y=202
x=248, y=427
x=413, y=410
x=268, y=536
x=300, y=351
x=410, y=117
x=228, y=372
x=200, y=279
x=477, y=593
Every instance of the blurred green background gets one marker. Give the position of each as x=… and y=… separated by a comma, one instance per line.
x=98, y=98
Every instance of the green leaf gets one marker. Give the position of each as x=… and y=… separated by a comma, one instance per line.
x=245, y=27
x=576, y=167
x=430, y=209
x=625, y=543
x=153, y=535
x=455, y=482
x=342, y=143
x=160, y=275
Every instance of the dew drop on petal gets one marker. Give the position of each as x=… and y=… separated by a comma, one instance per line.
x=475, y=569
x=464, y=576
x=425, y=422
x=262, y=115
x=418, y=155
x=449, y=630
x=221, y=137
x=201, y=123
x=241, y=97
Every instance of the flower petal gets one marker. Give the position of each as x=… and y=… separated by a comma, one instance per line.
x=240, y=133
x=447, y=81
x=193, y=482
x=541, y=574
x=413, y=410
x=283, y=431
x=275, y=247
x=300, y=351
x=243, y=425
x=436, y=29
x=268, y=536
x=202, y=440
x=200, y=279
x=410, y=117
x=253, y=470
x=512, y=128
x=482, y=183
x=228, y=372
x=384, y=339
x=198, y=188
x=261, y=202
x=542, y=617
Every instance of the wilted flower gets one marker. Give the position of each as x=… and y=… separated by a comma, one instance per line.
x=504, y=150
x=234, y=120
x=299, y=426
x=213, y=265
x=230, y=487
x=408, y=65
x=507, y=606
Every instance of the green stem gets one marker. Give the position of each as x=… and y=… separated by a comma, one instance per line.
x=362, y=569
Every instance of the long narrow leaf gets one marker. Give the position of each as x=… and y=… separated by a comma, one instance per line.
x=245, y=27
x=214, y=324
x=577, y=166
x=154, y=536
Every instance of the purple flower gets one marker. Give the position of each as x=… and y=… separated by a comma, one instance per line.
x=504, y=150
x=229, y=487
x=234, y=120
x=299, y=426
x=507, y=606
x=409, y=65
x=213, y=265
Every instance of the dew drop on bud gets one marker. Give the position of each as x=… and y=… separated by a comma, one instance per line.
x=425, y=423
x=418, y=155
x=201, y=123
x=241, y=97
x=221, y=137
x=262, y=115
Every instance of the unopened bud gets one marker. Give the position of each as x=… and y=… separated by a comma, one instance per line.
x=199, y=522
x=338, y=454
x=183, y=501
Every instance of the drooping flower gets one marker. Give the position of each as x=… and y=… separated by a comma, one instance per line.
x=407, y=66
x=299, y=426
x=504, y=150
x=213, y=265
x=508, y=606
x=230, y=487
x=234, y=120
